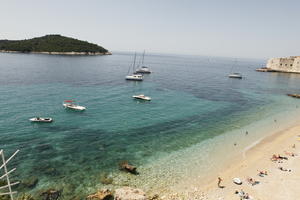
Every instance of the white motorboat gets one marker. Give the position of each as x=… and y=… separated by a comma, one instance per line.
x=142, y=97
x=143, y=70
x=235, y=75
x=71, y=105
x=41, y=119
x=134, y=77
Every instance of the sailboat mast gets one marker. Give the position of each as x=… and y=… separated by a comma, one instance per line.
x=234, y=64
x=134, y=61
x=143, y=58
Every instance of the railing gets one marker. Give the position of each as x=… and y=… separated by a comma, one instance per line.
x=7, y=188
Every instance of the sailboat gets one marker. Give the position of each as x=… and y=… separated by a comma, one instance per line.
x=143, y=69
x=235, y=74
x=134, y=76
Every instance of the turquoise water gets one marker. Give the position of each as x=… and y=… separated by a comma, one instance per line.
x=193, y=101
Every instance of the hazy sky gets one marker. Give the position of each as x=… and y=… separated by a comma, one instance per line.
x=253, y=28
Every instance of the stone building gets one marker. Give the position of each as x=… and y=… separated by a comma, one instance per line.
x=289, y=64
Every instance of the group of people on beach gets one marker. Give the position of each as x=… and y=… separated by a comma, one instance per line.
x=262, y=173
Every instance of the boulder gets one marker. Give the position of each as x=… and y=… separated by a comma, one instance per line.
x=154, y=197
x=25, y=197
x=101, y=195
x=106, y=179
x=29, y=182
x=128, y=193
x=51, y=194
x=124, y=165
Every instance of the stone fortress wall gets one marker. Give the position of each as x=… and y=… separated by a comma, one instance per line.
x=288, y=64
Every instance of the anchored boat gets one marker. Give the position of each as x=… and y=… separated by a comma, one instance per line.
x=235, y=75
x=72, y=105
x=142, y=97
x=143, y=69
x=134, y=76
x=41, y=119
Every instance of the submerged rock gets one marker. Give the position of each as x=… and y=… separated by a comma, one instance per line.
x=105, y=179
x=124, y=165
x=25, y=197
x=128, y=193
x=101, y=195
x=29, y=182
x=43, y=147
x=51, y=171
x=51, y=194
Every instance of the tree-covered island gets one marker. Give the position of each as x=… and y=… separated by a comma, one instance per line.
x=53, y=44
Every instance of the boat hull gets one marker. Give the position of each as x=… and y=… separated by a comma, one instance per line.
x=41, y=120
x=234, y=76
x=74, y=107
x=130, y=78
x=143, y=72
x=142, y=98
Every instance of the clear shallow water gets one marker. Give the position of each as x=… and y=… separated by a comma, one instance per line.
x=194, y=103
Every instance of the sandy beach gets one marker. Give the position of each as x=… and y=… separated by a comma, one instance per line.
x=277, y=184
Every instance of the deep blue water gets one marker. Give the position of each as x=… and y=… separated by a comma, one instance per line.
x=193, y=100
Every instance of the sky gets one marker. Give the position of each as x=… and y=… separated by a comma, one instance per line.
x=228, y=28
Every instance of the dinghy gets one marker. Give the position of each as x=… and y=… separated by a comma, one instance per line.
x=41, y=119
x=71, y=105
x=142, y=97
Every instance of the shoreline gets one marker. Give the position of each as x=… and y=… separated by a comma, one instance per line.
x=59, y=53
x=256, y=157
x=192, y=173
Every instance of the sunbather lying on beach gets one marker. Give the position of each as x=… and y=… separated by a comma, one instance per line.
x=282, y=157
x=278, y=157
x=262, y=173
x=252, y=181
x=243, y=195
x=285, y=170
x=290, y=154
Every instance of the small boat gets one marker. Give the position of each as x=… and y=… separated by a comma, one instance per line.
x=41, y=119
x=142, y=97
x=134, y=77
x=71, y=105
x=143, y=70
x=235, y=75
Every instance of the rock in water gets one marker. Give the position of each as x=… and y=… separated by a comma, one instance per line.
x=26, y=197
x=101, y=195
x=128, y=193
x=105, y=179
x=30, y=182
x=124, y=165
x=51, y=194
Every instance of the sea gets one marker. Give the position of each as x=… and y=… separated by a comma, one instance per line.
x=198, y=119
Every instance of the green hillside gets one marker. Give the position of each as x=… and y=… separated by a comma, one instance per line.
x=51, y=43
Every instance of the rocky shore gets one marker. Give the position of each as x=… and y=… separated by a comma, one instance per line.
x=60, y=53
